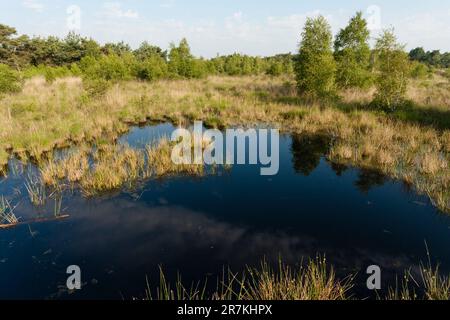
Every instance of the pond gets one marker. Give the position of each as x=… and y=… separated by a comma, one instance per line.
x=196, y=226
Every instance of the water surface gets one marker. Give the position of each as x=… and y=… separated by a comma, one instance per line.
x=198, y=225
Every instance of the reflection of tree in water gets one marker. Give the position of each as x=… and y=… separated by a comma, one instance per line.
x=339, y=169
x=367, y=179
x=307, y=152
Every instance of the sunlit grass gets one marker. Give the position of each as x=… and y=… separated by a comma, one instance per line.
x=412, y=144
x=315, y=281
x=7, y=216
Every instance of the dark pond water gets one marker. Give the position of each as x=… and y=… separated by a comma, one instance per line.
x=196, y=226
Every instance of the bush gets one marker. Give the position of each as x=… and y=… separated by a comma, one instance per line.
x=419, y=70
x=96, y=87
x=50, y=73
x=10, y=80
x=152, y=68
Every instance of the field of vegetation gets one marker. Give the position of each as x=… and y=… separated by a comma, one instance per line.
x=313, y=280
x=379, y=108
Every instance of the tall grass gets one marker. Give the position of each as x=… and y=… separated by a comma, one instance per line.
x=7, y=215
x=315, y=281
x=36, y=190
x=411, y=144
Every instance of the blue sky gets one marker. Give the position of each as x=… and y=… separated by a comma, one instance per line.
x=246, y=26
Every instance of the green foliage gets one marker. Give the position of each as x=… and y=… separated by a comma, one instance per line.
x=152, y=68
x=352, y=53
x=316, y=67
x=10, y=80
x=146, y=51
x=393, y=71
x=433, y=58
x=110, y=67
x=419, y=70
x=50, y=73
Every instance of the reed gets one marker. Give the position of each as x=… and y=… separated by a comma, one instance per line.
x=36, y=190
x=315, y=281
x=7, y=215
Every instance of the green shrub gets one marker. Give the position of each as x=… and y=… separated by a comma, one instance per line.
x=95, y=87
x=109, y=67
x=419, y=70
x=152, y=68
x=50, y=73
x=10, y=80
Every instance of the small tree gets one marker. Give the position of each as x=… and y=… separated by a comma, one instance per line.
x=10, y=80
x=393, y=71
x=352, y=53
x=316, y=67
x=181, y=60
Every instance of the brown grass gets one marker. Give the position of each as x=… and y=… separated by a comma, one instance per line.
x=47, y=115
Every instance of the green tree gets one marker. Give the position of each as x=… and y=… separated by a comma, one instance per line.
x=352, y=53
x=181, y=60
x=152, y=68
x=146, y=50
x=10, y=80
x=316, y=67
x=393, y=71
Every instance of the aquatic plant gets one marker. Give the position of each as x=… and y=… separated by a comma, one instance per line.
x=7, y=215
x=315, y=281
x=36, y=190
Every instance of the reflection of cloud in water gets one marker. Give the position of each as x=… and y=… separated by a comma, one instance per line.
x=128, y=231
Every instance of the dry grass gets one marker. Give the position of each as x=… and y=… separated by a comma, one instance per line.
x=112, y=167
x=431, y=285
x=405, y=145
x=316, y=281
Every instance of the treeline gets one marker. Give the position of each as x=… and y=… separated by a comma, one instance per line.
x=117, y=61
x=432, y=58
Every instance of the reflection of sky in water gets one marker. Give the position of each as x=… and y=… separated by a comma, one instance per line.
x=196, y=226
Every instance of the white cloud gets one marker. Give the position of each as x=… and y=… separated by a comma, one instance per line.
x=114, y=10
x=33, y=5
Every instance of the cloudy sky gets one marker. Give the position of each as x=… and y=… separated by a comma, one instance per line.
x=254, y=27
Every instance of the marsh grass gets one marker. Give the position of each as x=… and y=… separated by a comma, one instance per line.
x=411, y=144
x=110, y=167
x=429, y=285
x=7, y=215
x=315, y=281
x=36, y=190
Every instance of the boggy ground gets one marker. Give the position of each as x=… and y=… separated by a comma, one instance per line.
x=411, y=144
